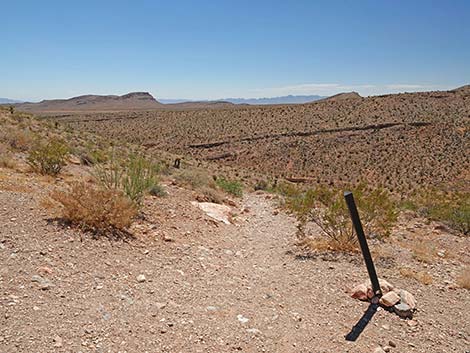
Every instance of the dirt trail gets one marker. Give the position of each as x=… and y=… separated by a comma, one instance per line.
x=225, y=288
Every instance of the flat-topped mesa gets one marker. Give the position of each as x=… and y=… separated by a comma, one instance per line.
x=129, y=101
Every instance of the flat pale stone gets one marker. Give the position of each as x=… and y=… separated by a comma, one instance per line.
x=389, y=299
x=221, y=213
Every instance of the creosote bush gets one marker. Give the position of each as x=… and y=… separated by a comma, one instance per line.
x=48, y=158
x=95, y=208
x=134, y=176
x=326, y=208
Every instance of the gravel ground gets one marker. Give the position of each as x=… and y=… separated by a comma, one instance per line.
x=206, y=287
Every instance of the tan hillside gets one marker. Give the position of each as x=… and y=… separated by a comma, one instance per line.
x=401, y=141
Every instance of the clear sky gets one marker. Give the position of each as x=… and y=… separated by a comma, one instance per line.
x=217, y=49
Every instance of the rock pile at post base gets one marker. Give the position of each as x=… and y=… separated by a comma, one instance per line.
x=402, y=302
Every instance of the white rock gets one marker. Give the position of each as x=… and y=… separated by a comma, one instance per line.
x=141, y=278
x=221, y=213
x=389, y=299
x=408, y=298
x=242, y=319
x=403, y=310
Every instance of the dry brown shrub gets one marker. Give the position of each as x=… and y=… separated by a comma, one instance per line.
x=20, y=140
x=206, y=194
x=464, y=279
x=423, y=251
x=420, y=276
x=195, y=179
x=7, y=161
x=97, y=209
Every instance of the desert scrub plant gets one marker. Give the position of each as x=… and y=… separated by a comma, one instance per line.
x=7, y=161
x=48, y=158
x=157, y=190
x=17, y=139
x=232, y=187
x=96, y=209
x=134, y=176
x=452, y=208
x=194, y=178
x=326, y=208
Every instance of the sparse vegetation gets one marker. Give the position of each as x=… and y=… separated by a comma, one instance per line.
x=349, y=141
x=420, y=276
x=7, y=161
x=157, y=190
x=48, y=158
x=464, y=278
x=134, y=176
x=17, y=139
x=96, y=209
x=325, y=207
x=451, y=208
x=423, y=251
x=195, y=179
x=232, y=187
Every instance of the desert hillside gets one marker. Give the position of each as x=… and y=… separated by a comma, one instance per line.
x=403, y=142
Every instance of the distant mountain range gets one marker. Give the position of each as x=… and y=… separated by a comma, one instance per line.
x=290, y=99
x=8, y=101
x=145, y=101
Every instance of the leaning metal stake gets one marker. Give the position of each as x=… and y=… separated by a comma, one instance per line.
x=363, y=243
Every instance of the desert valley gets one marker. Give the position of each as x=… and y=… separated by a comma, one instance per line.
x=129, y=225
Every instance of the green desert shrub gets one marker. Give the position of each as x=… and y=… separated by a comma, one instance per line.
x=48, y=158
x=230, y=186
x=134, y=176
x=451, y=208
x=157, y=190
x=326, y=208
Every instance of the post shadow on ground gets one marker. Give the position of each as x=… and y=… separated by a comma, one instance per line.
x=362, y=323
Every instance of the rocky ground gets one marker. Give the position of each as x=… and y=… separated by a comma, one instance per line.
x=188, y=283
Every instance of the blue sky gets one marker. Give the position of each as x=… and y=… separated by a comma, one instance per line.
x=216, y=49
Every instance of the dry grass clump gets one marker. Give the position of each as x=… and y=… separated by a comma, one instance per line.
x=100, y=210
x=207, y=194
x=195, y=179
x=420, y=276
x=7, y=161
x=18, y=139
x=464, y=279
x=423, y=251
